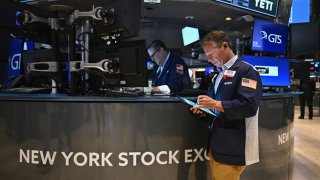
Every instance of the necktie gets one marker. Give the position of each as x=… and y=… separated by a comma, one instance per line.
x=159, y=71
x=218, y=98
x=217, y=93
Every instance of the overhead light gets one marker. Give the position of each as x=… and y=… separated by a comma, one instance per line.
x=189, y=17
x=228, y=18
x=152, y=1
x=247, y=18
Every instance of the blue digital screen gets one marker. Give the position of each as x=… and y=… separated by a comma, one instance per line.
x=209, y=69
x=16, y=47
x=300, y=11
x=190, y=35
x=269, y=37
x=274, y=71
x=150, y=64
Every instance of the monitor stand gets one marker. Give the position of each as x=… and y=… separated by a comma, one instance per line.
x=273, y=89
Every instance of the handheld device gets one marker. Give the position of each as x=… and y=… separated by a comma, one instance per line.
x=193, y=104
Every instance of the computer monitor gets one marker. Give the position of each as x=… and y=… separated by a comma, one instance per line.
x=274, y=71
x=269, y=37
x=126, y=18
x=304, y=39
x=300, y=11
x=190, y=35
x=132, y=56
x=38, y=78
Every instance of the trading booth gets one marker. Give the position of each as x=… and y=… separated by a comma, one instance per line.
x=71, y=112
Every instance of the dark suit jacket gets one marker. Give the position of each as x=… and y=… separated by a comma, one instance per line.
x=228, y=132
x=174, y=74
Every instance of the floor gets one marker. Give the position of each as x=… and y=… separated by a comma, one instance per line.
x=306, y=165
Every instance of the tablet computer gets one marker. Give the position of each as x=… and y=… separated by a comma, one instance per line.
x=193, y=104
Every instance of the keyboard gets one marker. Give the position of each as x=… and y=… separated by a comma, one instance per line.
x=114, y=93
x=190, y=93
x=27, y=90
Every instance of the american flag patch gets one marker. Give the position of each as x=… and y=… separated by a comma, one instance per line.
x=249, y=83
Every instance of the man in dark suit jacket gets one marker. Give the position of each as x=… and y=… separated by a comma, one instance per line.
x=308, y=88
x=235, y=98
x=172, y=72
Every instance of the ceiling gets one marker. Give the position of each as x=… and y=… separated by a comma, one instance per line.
x=207, y=14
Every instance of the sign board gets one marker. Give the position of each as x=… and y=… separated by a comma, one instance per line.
x=269, y=37
x=266, y=7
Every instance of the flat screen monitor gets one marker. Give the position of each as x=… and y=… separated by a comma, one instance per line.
x=190, y=35
x=274, y=71
x=304, y=38
x=300, y=11
x=126, y=18
x=37, y=78
x=269, y=37
x=132, y=56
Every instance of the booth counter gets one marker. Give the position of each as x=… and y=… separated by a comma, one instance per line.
x=138, y=138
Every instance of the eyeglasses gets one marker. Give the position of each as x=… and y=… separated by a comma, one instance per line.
x=154, y=53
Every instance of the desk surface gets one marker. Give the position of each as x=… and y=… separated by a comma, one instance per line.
x=67, y=98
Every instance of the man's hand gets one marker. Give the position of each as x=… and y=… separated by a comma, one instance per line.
x=139, y=89
x=197, y=112
x=209, y=103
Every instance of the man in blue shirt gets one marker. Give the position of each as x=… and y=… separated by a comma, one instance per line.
x=172, y=72
x=235, y=98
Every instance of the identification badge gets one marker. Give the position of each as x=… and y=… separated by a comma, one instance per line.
x=229, y=74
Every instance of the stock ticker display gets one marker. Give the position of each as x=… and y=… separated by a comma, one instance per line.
x=266, y=7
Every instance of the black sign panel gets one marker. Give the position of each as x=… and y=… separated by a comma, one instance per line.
x=266, y=7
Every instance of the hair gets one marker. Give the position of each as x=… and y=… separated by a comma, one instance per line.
x=157, y=44
x=217, y=38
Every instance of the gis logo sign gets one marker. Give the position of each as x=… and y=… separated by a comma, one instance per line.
x=16, y=46
x=15, y=61
x=272, y=38
x=269, y=37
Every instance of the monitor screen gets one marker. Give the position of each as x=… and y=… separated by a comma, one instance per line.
x=269, y=37
x=190, y=35
x=274, y=71
x=132, y=56
x=304, y=38
x=37, y=79
x=126, y=18
x=300, y=11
